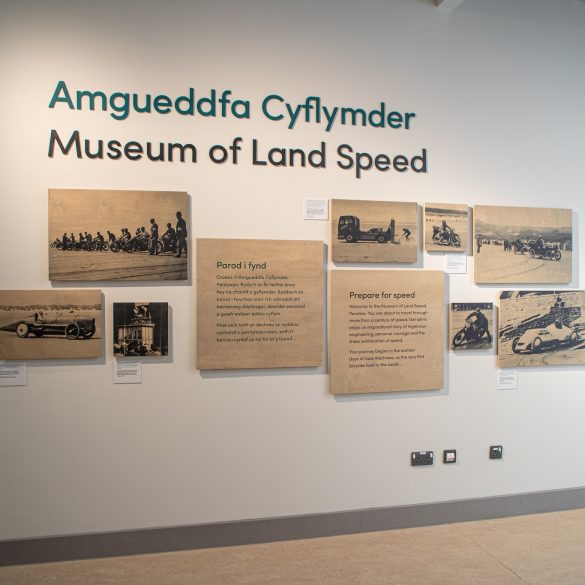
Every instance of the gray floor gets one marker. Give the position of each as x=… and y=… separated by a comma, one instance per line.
x=543, y=549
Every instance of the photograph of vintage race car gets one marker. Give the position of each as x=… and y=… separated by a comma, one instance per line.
x=542, y=338
x=50, y=324
x=374, y=231
x=39, y=324
x=522, y=245
x=539, y=328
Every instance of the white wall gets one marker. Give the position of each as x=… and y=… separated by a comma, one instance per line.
x=499, y=93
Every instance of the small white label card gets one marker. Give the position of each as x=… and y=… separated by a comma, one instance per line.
x=456, y=263
x=315, y=209
x=13, y=374
x=127, y=372
x=507, y=379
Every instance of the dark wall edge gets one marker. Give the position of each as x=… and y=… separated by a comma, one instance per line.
x=175, y=538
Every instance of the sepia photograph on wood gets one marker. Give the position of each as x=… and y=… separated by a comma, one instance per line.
x=141, y=329
x=50, y=324
x=541, y=328
x=446, y=227
x=522, y=245
x=386, y=331
x=118, y=235
x=374, y=231
x=471, y=326
x=259, y=303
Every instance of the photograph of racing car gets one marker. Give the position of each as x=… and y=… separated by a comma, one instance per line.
x=522, y=245
x=540, y=328
x=543, y=338
x=50, y=324
x=374, y=231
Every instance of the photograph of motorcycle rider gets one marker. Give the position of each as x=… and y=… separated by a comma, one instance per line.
x=445, y=230
x=479, y=322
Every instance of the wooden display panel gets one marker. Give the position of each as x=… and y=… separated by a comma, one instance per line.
x=446, y=227
x=137, y=254
x=471, y=326
x=522, y=244
x=140, y=329
x=373, y=231
x=259, y=304
x=50, y=324
x=387, y=330
x=541, y=328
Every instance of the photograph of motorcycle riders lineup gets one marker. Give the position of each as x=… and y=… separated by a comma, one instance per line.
x=522, y=245
x=446, y=227
x=541, y=328
x=374, y=231
x=471, y=326
x=118, y=235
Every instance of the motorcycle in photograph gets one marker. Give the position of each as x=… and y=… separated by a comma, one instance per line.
x=470, y=334
x=449, y=238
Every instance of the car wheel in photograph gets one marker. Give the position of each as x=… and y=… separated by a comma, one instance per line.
x=350, y=238
x=22, y=330
x=515, y=345
x=537, y=345
x=72, y=331
x=557, y=255
x=89, y=334
x=381, y=239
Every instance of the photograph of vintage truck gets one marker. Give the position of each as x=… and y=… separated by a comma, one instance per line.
x=374, y=231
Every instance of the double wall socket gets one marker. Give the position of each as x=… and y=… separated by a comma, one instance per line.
x=421, y=458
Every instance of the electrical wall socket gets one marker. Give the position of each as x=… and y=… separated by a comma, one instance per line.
x=496, y=452
x=421, y=458
x=449, y=456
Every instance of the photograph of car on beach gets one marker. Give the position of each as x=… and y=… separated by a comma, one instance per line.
x=522, y=245
x=50, y=324
x=374, y=231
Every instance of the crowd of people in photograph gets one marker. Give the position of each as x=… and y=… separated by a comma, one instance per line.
x=173, y=240
x=538, y=247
